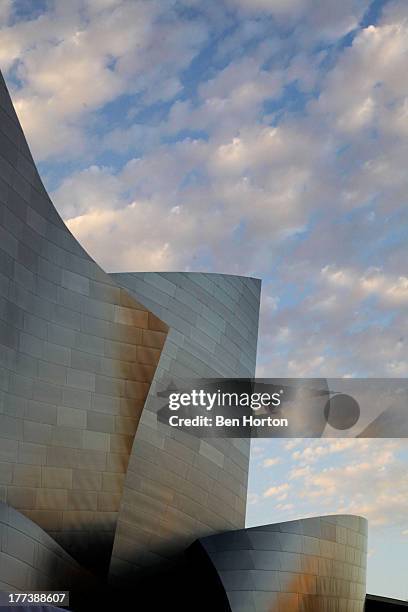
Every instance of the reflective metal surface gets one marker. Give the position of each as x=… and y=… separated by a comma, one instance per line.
x=179, y=487
x=82, y=357
x=309, y=565
x=30, y=559
x=77, y=356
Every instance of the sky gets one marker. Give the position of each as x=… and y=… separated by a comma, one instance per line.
x=257, y=137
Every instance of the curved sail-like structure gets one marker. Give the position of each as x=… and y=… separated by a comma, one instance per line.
x=77, y=357
x=179, y=487
x=309, y=565
x=79, y=352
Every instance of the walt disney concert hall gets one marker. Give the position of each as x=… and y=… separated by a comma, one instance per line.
x=97, y=496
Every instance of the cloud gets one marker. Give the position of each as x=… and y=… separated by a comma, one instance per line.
x=271, y=462
x=268, y=161
x=143, y=208
x=369, y=478
x=231, y=99
x=202, y=181
x=317, y=450
x=366, y=477
x=292, y=443
x=90, y=190
x=328, y=20
x=366, y=85
x=139, y=254
x=5, y=11
x=285, y=507
x=77, y=57
x=299, y=472
x=392, y=290
x=257, y=450
x=252, y=499
x=278, y=491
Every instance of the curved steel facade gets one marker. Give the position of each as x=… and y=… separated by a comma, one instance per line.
x=309, y=565
x=82, y=455
x=79, y=353
x=77, y=356
x=31, y=559
x=179, y=487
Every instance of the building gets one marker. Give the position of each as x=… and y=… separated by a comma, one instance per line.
x=94, y=491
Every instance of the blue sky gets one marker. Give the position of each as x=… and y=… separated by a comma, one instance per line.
x=295, y=478
x=259, y=137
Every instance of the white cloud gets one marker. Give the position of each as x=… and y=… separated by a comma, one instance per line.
x=290, y=444
x=253, y=499
x=329, y=20
x=5, y=11
x=368, y=479
x=92, y=190
x=143, y=245
x=214, y=188
x=285, y=507
x=278, y=491
x=77, y=57
x=257, y=450
x=367, y=86
x=299, y=472
x=271, y=462
x=392, y=290
x=231, y=100
x=334, y=301
x=315, y=451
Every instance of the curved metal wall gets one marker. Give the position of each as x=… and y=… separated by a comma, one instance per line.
x=179, y=487
x=77, y=356
x=31, y=559
x=309, y=565
x=81, y=361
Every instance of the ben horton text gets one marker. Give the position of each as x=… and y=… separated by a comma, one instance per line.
x=198, y=398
